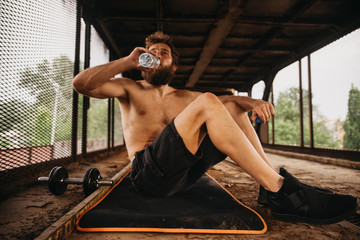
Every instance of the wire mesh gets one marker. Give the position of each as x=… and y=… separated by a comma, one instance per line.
x=37, y=40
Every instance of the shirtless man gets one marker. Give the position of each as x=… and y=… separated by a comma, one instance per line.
x=174, y=136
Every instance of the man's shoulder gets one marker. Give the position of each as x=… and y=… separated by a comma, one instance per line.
x=128, y=83
x=185, y=95
x=186, y=92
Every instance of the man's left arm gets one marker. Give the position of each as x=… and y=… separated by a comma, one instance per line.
x=260, y=108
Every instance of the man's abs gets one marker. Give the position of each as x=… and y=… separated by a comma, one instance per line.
x=138, y=137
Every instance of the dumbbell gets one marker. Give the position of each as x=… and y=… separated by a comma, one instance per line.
x=58, y=180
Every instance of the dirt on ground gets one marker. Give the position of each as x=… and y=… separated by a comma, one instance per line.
x=28, y=213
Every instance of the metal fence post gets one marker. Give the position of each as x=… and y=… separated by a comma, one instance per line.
x=310, y=105
x=301, y=107
x=86, y=102
x=75, y=102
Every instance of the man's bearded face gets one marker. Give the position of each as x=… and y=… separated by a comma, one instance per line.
x=160, y=76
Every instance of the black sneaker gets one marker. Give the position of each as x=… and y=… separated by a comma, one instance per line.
x=263, y=193
x=262, y=198
x=297, y=202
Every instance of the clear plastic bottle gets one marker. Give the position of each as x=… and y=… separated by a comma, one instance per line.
x=148, y=60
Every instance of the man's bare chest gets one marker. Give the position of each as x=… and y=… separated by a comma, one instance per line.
x=153, y=108
x=162, y=112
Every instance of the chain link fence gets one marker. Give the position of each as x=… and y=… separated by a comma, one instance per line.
x=37, y=45
x=36, y=65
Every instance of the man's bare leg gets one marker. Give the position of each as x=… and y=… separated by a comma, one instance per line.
x=226, y=135
x=242, y=120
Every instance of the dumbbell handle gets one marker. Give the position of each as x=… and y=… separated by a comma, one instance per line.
x=43, y=179
x=79, y=181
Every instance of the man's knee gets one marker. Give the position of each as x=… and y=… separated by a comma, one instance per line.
x=208, y=97
x=234, y=109
x=209, y=102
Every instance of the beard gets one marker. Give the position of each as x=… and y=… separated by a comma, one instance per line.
x=160, y=76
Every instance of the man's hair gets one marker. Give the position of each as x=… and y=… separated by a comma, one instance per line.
x=160, y=37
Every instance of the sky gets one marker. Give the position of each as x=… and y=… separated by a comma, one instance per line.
x=334, y=68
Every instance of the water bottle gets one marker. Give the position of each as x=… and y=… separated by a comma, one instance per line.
x=148, y=60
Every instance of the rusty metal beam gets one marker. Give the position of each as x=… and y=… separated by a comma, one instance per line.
x=257, y=21
x=159, y=15
x=110, y=38
x=216, y=37
x=235, y=50
x=294, y=13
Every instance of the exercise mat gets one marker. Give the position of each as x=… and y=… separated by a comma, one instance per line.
x=206, y=207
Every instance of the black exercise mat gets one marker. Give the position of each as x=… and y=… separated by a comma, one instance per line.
x=205, y=208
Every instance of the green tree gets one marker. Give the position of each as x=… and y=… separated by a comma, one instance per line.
x=352, y=122
x=287, y=121
x=97, y=118
x=12, y=113
x=42, y=127
x=45, y=79
x=50, y=83
x=287, y=118
x=14, y=118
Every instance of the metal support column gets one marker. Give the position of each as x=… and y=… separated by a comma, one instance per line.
x=86, y=102
x=109, y=124
x=75, y=103
x=268, y=85
x=273, y=117
x=113, y=124
x=301, y=107
x=310, y=105
x=110, y=119
x=111, y=113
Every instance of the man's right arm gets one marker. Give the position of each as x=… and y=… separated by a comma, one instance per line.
x=262, y=109
x=99, y=82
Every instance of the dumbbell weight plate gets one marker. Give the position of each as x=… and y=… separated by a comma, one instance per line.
x=57, y=186
x=90, y=184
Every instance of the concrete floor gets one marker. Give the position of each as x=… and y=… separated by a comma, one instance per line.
x=28, y=213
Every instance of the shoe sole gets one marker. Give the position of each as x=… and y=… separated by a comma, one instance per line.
x=297, y=218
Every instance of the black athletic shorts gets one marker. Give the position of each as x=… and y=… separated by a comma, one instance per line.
x=166, y=166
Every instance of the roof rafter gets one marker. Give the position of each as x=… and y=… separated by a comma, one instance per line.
x=295, y=13
x=254, y=21
x=216, y=37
